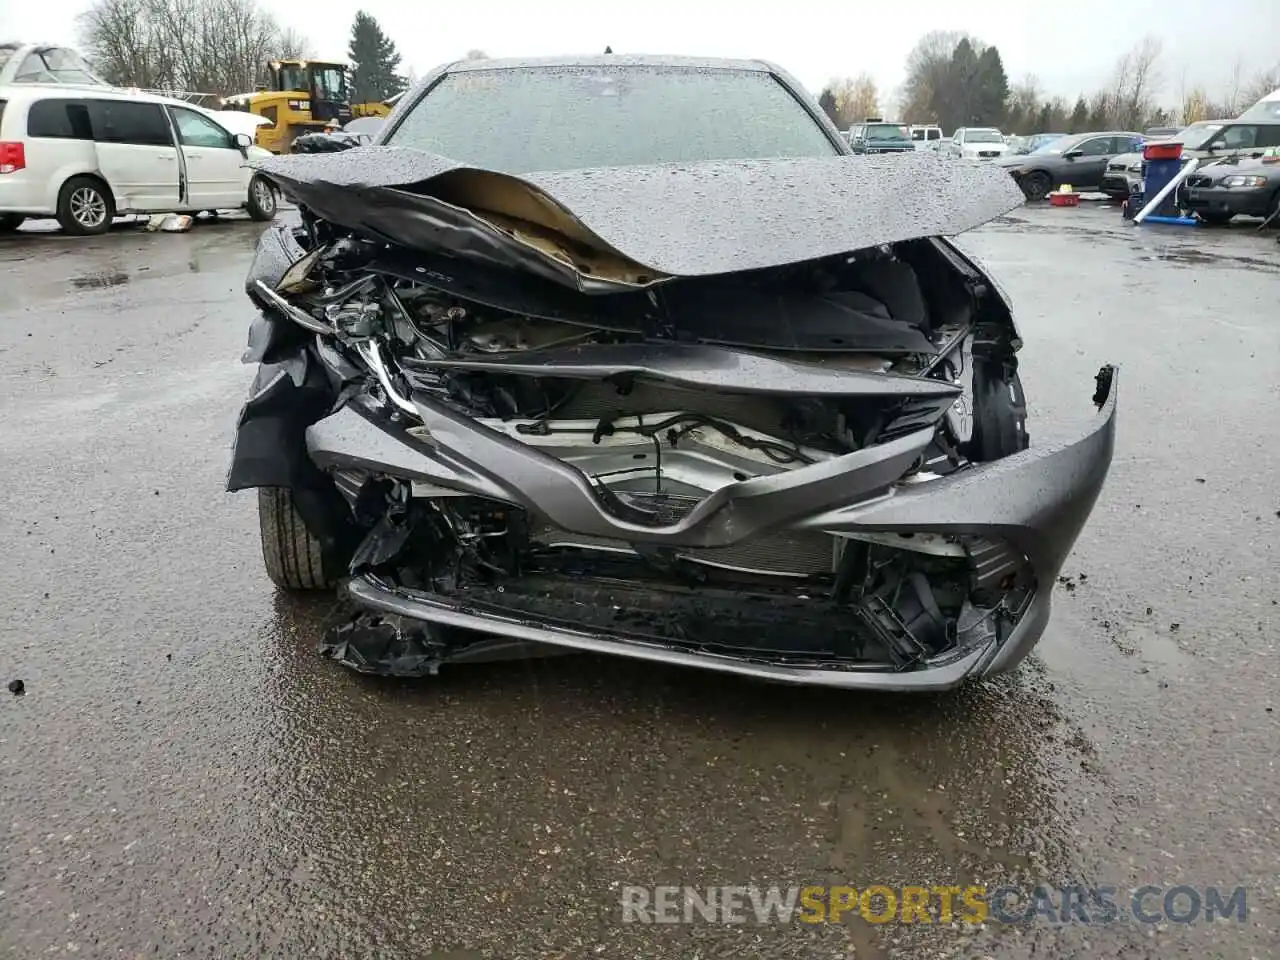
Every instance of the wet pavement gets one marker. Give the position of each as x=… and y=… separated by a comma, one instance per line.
x=184, y=776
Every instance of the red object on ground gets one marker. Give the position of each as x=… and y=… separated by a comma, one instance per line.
x=1162, y=151
x=1064, y=199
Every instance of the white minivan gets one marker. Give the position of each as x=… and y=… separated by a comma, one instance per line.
x=86, y=154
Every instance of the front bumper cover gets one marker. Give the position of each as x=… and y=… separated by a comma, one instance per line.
x=1249, y=202
x=1036, y=501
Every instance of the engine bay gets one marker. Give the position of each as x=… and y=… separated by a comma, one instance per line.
x=664, y=399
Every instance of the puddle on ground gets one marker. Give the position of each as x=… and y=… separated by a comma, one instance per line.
x=1200, y=258
x=98, y=281
x=1154, y=645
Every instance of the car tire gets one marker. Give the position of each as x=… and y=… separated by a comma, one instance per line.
x=10, y=222
x=85, y=207
x=1272, y=218
x=293, y=557
x=1036, y=186
x=262, y=199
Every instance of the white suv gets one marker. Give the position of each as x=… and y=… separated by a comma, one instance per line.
x=86, y=154
x=977, y=143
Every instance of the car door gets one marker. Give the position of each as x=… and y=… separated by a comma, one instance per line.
x=1268, y=135
x=1238, y=139
x=136, y=154
x=1085, y=169
x=216, y=179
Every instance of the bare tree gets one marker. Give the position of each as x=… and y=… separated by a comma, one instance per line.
x=1022, y=111
x=856, y=99
x=1129, y=101
x=928, y=66
x=1233, y=89
x=1258, y=87
x=1195, y=105
x=294, y=46
x=209, y=46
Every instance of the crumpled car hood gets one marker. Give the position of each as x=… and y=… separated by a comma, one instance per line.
x=607, y=229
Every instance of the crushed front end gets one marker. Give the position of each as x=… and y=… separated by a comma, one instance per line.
x=817, y=472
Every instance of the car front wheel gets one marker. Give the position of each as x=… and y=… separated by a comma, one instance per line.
x=262, y=200
x=1036, y=186
x=293, y=557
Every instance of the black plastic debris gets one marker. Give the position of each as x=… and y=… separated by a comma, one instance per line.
x=372, y=644
x=324, y=143
x=17, y=687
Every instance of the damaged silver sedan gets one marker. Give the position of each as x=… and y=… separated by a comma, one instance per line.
x=715, y=394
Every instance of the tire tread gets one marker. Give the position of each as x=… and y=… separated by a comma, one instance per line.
x=292, y=556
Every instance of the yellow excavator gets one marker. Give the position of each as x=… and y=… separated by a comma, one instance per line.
x=302, y=96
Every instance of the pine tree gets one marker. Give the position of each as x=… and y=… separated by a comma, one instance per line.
x=1080, y=116
x=991, y=89
x=827, y=101
x=374, y=62
x=960, y=101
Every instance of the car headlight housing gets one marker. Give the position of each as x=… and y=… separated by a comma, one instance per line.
x=1135, y=167
x=1239, y=181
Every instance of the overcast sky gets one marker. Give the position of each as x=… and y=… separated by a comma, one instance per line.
x=813, y=39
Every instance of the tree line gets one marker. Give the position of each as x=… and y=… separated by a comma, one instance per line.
x=220, y=47
x=955, y=80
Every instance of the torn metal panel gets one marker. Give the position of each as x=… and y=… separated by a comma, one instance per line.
x=696, y=365
x=616, y=228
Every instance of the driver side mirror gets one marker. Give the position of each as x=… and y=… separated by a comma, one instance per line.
x=1072, y=154
x=243, y=141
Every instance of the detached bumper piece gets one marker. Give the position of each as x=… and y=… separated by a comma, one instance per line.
x=894, y=585
x=445, y=616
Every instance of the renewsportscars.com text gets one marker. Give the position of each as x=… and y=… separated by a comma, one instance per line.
x=932, y=904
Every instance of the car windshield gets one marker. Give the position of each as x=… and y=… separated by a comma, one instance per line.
x=886, y=131
x=1266, y=110
x=527, y=118
x=54, y=65
x=1058, y=144
x=1198, y=134
x=983, y=136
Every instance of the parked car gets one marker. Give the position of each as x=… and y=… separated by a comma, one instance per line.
x=86, y=155
x=881, y=137
x=1266, y=110
x=926, y=136
x=1033, y=143
x=1080, y=160
x=598, y=431
x=1239, y=186
x=1160, y=133
x=364, y=128
x=1203, y=140
x=43, y=63
x=977, y=143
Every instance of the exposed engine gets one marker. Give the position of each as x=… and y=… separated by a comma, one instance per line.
x=567, y=375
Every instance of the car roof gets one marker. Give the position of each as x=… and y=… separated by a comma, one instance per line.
x=18, y=92
x=613, y=60
x=1089, y=134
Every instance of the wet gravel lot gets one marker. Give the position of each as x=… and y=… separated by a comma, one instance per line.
x=185, y=777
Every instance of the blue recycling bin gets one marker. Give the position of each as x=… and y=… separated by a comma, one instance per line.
x=1160, y=164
